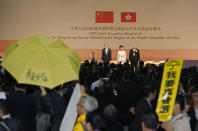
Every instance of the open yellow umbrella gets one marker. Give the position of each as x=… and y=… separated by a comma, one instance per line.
x=41, y=61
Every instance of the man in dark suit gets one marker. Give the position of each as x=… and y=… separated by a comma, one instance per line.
x=144, y=106
x=106, y=54
x=56, y=100
x=129, y=93
x=134, y=57
x=23, y=106
x=7, y=122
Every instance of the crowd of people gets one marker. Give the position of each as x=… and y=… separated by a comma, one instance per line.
x=115, y=98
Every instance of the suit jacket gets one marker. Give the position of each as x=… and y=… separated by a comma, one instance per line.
x=193, y=119
x=129, y=94
x=142, y=108
x=106, y=57
x=12, y=123
x=113, y=125
x=24, y=107
x=58, y=105
x=134, y=58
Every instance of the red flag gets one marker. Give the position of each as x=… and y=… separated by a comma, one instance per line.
x=104, y=16
x=128, y=16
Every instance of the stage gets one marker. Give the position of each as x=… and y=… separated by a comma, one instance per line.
x=155, y=55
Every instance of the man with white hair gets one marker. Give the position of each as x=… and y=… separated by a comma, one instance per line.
x=106, y=54
x=86, y=104
x=134, y=57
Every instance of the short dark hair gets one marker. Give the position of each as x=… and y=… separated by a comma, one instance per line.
x=194, y=89
x=180, y=100
x=149, y=88
x=96, y=120
x=3, y=107
x=150, y=120
x=129, y=75
x=63, y=86
x=121, y=46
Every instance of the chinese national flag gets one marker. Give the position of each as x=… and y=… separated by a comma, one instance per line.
x=128, y=16
x=104, y=16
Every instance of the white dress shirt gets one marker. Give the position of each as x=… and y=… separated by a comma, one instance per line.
x=106, y=49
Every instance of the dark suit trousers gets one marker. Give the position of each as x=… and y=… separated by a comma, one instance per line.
x=134, y=66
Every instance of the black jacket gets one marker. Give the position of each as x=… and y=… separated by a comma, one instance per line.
x=58, y=105
x=24, y=107
x=129, y=93
x=142, y=109
x=136, y=58
x=193, y=119
x=106, y=57
x=12, y=123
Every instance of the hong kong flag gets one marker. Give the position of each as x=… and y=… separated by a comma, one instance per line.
x=104, y=16
x=128, y=16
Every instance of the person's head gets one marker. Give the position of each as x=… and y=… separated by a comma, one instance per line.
x=0, y=59
x=149, y=92
x=63, y=87
x=121, y=47
x=3, y=108
x=106, y=45
x=134, y=46
x=86, y=63
x=110, y=112
x=44, y=119
x=179, y=105
x=149, y=122
x=86, y=104
x=194, y=93
x=167, y=59
x=94, y=121
x=142, y=63
x=94, y=69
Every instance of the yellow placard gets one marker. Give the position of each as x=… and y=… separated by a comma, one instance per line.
x=168, y=90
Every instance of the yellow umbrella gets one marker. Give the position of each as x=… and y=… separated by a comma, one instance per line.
x=41, y=61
